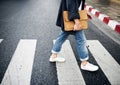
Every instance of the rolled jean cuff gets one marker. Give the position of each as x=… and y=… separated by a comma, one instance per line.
x=54, y=52
x=84, y=59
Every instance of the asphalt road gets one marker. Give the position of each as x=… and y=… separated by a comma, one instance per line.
x=35, y=19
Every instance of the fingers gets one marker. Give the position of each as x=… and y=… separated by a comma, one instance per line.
x=77, y=27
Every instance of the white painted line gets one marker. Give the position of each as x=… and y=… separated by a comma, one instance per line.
x=107, y=63
x=101, y=16
x=1, y=40
x=112, y=24
x=20, y=68
x=94, y=11
x=68, y=72
x=87, y=7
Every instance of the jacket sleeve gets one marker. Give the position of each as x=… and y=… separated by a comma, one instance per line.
x=72, y=9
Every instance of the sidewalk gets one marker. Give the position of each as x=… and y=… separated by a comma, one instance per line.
x=108, y=7
x=107, y=11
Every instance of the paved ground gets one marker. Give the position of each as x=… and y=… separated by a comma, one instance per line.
x=108, y=7
x=31, y=23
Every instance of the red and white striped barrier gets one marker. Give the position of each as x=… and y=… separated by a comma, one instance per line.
x=106, y=19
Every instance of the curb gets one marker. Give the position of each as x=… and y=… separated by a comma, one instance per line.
x=106, y=19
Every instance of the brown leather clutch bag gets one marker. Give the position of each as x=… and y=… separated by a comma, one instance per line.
x=69, y=25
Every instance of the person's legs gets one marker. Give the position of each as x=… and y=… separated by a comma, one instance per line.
x=81, y=45
x=59, y=41
x=57, y=47
x=83, y=51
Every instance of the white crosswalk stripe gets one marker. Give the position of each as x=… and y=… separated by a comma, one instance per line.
x=69, y=72
x=109, y=66
x=1, y=40
x=20, y=67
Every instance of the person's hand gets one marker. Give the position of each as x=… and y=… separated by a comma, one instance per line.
x=77, y=25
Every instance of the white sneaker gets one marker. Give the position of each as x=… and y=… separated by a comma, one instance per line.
x=89, y=67
x=57, y=59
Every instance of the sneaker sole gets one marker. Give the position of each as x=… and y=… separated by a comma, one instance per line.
x=57, y=61
x=90, y=70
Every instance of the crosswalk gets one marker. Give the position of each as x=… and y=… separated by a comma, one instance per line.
x=20, y=67
x=109, y=66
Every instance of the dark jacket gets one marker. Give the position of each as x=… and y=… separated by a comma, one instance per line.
x=72, y=7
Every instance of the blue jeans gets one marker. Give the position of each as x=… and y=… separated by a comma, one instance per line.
x=81, y=44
